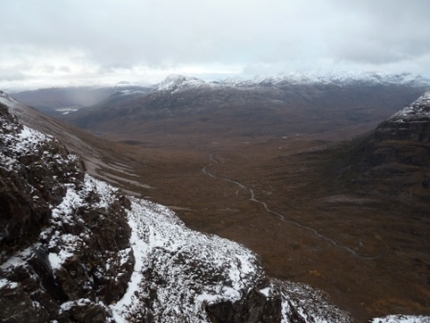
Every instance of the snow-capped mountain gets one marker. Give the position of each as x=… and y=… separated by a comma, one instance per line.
x=338, y=78
x=417, y=109
x=179, y=82
x=174, y=83
x=410, y=123
x=74, y=249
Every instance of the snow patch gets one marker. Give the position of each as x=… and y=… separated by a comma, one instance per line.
x=417, y=109
x=402, y=319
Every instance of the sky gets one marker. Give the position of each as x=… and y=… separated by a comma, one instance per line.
x=74, y=42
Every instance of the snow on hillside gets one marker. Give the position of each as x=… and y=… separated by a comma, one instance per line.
x=166, y=250
x=417, y=109
x=331, y=77
x=8, y=100
x=402, y=319
x=175, y=83
x=179, y=82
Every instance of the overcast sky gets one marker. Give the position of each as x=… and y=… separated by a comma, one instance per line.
x=51, y=42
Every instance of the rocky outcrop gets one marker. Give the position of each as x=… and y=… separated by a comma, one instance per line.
x=65, y=253
x=410, y=123
x=185, y=276
x=277, y=302
x=30, y=179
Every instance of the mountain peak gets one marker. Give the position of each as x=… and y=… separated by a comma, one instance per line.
x=410, y=123
x=177, y=82
x=420, y=108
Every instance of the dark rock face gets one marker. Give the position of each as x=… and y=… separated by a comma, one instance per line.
x=394, y=160
x=410, y=123
x=65, y=252
x=281, y=302
x=27, y=189
x=254, y=307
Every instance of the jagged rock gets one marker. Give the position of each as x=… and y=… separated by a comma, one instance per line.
x=29, y=185
x=254, y=307
x=64, y=236
x=84, y=311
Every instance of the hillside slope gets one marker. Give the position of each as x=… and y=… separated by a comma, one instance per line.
x=394, y=159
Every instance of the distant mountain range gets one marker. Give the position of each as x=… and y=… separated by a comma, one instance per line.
x=276, y=106
x=179, y=82
x=67, y=99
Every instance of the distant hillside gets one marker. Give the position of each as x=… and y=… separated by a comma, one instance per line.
x=392, y=161
x=272, y=106
x=64, y=100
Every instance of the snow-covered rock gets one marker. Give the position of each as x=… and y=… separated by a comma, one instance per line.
x=402, y=319
x=416, y=110
x=65, y=249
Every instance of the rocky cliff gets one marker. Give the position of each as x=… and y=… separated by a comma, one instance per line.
x=65, y=250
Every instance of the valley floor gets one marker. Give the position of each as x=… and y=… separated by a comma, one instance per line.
x=272, y=195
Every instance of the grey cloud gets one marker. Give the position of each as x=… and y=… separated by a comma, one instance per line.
x=10, y=74
x=113, y=35
x=385, y=31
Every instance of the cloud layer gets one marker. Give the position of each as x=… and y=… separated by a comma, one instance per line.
x=112, y=40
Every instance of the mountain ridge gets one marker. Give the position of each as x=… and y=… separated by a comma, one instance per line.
x=175, y=82
x=182, y=106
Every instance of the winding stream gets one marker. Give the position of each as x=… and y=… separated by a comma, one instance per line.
x=282, y=217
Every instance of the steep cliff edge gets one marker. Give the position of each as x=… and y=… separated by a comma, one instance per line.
x=65, y=250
